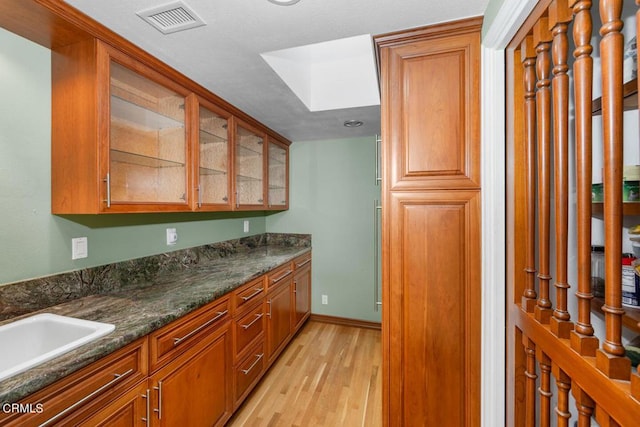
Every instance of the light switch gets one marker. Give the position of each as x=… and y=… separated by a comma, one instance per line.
x=79, y=248
x=172, y=236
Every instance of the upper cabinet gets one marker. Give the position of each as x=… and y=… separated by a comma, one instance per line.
x=278, y=175
x=249, y=166
x=129, y=138
x=212, y=157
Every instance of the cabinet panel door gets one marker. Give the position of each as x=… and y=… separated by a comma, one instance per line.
x=249, y=167
x=196, y=389
x=432, y=321
x=128, y=410
x=278, y=318
x=430, y=112
x=278, y=175
x=302, y=294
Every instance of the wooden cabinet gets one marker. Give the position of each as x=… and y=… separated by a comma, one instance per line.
x=301, y=290
x=249, y=167
x=195, y=388
x=127, y=138
x=278, y=175
x=279, y=310
x=89, y=390
x=118, y=134
x=213, y=164
x=127, y=410
x=431, y=224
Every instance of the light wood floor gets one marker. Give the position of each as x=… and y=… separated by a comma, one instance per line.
x=329, y=375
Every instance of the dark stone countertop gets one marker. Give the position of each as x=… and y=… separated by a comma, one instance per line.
x=138, y=312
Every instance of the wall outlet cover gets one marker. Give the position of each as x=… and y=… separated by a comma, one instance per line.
x=172, y=236
x=246, y=226
x=79, y=248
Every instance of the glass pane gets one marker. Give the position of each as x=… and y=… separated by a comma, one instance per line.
x=213, y=158
x=147, y=140
x=277, y=175
x=249, y=160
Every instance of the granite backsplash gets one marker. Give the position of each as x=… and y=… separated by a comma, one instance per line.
x=32, y=295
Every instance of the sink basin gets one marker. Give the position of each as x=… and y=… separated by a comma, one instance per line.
x=36, y=339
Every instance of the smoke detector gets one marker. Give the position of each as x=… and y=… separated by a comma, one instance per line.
x=171, y=17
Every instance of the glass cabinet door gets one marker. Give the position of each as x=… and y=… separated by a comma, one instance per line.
x=147, y=141
x=278, y=162
x=249, y=167
x=213, y=162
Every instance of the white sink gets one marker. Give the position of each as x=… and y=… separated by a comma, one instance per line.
x=36, y=339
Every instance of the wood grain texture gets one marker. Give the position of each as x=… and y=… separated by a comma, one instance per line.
x=328, y=376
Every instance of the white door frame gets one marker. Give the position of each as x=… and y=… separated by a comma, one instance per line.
x=496, y=36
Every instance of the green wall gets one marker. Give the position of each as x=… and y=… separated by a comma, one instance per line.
x=35, y=243
x=332, y=194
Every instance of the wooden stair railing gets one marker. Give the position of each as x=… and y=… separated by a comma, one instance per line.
x=553, y=357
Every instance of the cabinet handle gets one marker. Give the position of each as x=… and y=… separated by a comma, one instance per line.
x=269, y=313
x=237, y=200
x=147, y=420
x=108, y=181
x=295, y=286
x=378, y=149
x=117, y=379
x=305, y=262
x=282, y=276
x=199, y=196
x=257, y=292
x=177, y=341
x=377, y=209
x=258, y=317
x=258, y=357
x=159, y=410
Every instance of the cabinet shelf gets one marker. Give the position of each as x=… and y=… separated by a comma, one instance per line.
x=628, y=208
x=209, y=171
x=137, y=116
x=248, y=152
x=142, y=160
x=244, y=178
x=207, y=137
x=630, y=318
x=630, y=101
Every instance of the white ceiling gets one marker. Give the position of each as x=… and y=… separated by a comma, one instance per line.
x=225, y=55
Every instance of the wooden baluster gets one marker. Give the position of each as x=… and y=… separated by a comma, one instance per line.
x=584, y=405
x=563, y=382
x=545, y=388
x=610, y=358
x=528, y=58
x=542, y=39
x=582, y=339
x=530, y=383
x=559, y=17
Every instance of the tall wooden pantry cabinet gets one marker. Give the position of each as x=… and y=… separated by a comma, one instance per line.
x=431, y=224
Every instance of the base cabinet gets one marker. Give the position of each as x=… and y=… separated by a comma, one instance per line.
x=194, y=389
x=194, y=371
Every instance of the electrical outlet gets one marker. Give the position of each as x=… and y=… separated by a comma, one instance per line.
x=79, y=248
x=325, y=300
x=246, y=226
x=172, y=236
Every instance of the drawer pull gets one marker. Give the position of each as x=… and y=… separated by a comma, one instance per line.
x=258, y=357
x=117, y=379
x=305, y=262
x=258, y=317
x=257, y=292
x=282, y=276
x=177, y=341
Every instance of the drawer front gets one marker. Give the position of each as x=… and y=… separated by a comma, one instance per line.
x=248, y=294
x=90, y=387
x=247, y=328
x=173, y=339
x=302, y=261
x=248, y=372
x=280, y=275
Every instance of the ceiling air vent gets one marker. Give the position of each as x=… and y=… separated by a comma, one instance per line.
x=171, y=17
